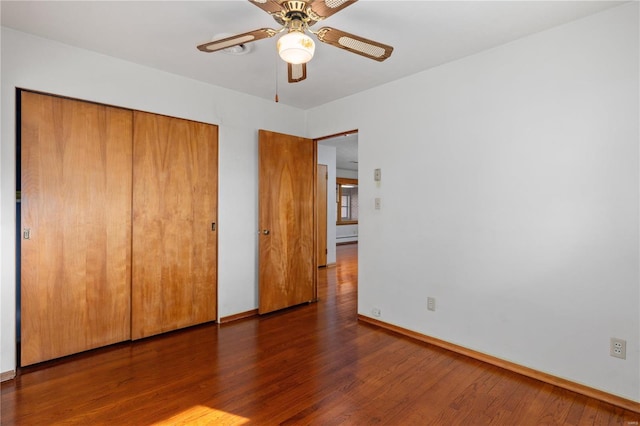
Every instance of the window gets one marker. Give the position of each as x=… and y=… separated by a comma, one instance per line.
x=347, y=201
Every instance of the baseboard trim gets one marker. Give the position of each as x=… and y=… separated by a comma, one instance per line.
x=7, y=375
x=507, y=365
x=241, y=315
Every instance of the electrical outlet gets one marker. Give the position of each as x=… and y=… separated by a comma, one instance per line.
x=376, y=312
x=431, y=303
x=618, y=348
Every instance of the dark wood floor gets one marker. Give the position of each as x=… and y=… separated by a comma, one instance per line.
x=314, y=364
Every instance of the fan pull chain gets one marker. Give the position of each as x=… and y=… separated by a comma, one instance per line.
x=277, y=100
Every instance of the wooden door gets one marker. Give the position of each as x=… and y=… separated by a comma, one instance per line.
x=174, y=268
x=76, y=214
x=287, y=251
x=321, y=205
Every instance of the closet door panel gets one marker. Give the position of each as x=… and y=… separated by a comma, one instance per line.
x=174, y=208
x=76, y=211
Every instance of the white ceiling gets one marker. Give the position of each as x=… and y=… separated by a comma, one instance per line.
x=164, y=35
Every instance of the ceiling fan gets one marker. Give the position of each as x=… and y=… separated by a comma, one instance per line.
x=296, y=47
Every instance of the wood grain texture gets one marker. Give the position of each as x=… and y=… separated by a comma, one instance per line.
x=287, y=253
x=310, y=365
x=174, y=267
x=321, y=204
x=76, y=200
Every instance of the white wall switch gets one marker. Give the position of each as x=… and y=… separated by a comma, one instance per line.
x=431, y=303
x=377, y=175
x=377, y=203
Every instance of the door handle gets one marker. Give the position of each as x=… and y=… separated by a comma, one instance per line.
x=266, y=231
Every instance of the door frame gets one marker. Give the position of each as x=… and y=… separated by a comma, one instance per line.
x=322, y=188
x=317, y=141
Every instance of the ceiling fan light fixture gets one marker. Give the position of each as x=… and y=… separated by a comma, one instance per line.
x=296, y=47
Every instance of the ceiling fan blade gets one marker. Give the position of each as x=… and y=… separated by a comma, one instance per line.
x=296, y=72
x=269, y=6
x=235, y=40
x=324, y=8
x=355, y=44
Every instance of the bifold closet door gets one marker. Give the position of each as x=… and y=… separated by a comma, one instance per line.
x=76, y=219
x=175, y=185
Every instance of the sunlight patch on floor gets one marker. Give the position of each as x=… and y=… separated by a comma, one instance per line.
x=203, y=415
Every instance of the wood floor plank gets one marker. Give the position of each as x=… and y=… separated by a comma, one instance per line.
x=557, y=407
x=575, y=412
x=311, y=365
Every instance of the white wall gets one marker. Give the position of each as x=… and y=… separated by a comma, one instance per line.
x=526, y=161
x=38, y=64
x=327, y=156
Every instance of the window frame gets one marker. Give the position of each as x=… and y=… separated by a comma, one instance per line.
x=339, y=182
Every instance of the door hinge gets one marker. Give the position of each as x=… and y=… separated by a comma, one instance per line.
x=213, y=226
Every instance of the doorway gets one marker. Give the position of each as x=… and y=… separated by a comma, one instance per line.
x=340, y=153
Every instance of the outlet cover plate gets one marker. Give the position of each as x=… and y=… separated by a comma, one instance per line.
x=618, y=348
